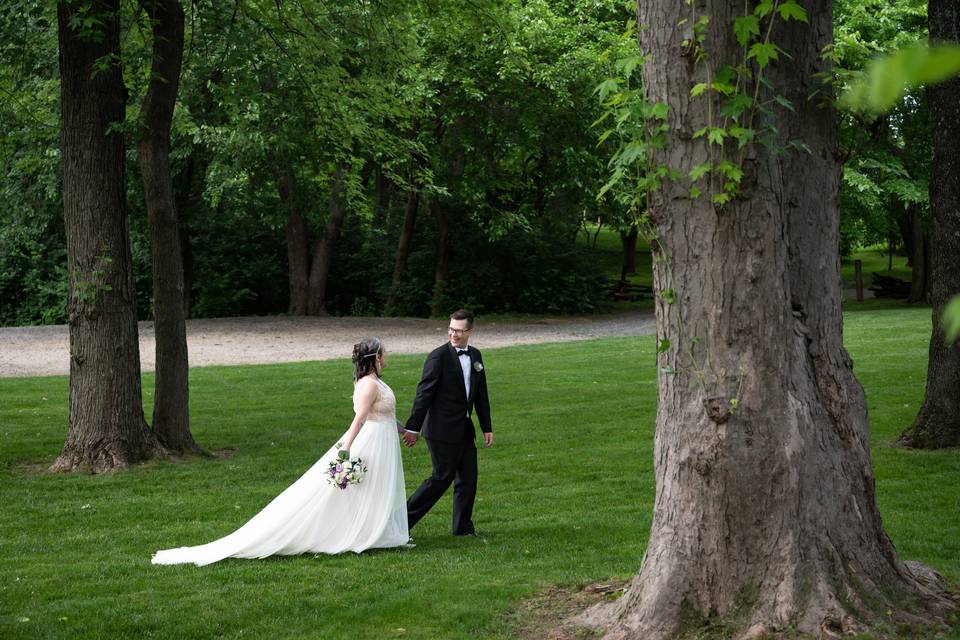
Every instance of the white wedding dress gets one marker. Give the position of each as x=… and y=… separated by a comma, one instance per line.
x=314, y=516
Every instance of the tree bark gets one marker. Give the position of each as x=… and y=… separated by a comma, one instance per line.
x=938, y=421
x=403, y=247
x=298, y=252
x=171, y=408
x=629, y=241
x=442, y=263
x=919, y=272
x=320, y=268
x=107, y=429
x=765, y=512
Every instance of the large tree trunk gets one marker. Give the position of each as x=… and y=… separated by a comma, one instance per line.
x=442, y=263
x=765, y=512
x=320, y=269
x=919, y=252
x=107, y=429
x=403, y=247
x=171, y=408
x=298, y=252
x=938, y=422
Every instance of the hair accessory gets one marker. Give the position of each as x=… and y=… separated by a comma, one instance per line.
x=375, y=351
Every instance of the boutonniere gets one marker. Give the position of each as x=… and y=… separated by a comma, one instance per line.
x=478, y=366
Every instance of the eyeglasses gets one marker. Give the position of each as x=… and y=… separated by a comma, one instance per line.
x=457, y=332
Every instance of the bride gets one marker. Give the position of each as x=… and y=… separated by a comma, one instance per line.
x=315, y=516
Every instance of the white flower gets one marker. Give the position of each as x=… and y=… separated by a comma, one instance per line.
x=478, y=366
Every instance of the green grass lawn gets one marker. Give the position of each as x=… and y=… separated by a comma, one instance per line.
x=565, y=498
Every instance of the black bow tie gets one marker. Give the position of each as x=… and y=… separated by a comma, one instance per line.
x=463, y=352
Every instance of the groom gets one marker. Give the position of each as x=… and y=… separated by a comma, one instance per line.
x=453, y=386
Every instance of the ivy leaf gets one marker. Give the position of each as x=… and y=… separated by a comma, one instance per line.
x=743, y=136
x=663, y=346
x=791, y=10
x=745, y=27
x=717, y=135
x=764, y=52
x=784, y=102
x=762, y=9
x=699, y=133
x=700, y=170
x=669, y=296
x=730, y=170
x=724, y=81
x=668, y=370
x=725, y=74
x=721, y=198
x=698, y=89
x=736, y=105
x=695, y=192
x=800, y=145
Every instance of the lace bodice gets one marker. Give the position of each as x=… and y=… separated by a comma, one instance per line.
x=384, y=408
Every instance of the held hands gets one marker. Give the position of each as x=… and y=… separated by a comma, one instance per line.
x=410, y=438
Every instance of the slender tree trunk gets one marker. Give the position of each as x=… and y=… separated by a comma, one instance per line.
x=905, y=225
x=403, y=247
x=107, y=429
x=171, y=408
x=938, y=422
x=298, y=253
x=384, y=189
x=918, y=258
x=629, y=241
x=320, y=268
x=443, y=258
x=184, y=199
x=765, y=512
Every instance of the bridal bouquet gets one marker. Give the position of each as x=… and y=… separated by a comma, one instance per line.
x=345, y=471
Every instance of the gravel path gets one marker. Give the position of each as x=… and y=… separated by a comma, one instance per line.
x=40, y=351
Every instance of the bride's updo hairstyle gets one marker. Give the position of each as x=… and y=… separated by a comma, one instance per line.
x=365, y=355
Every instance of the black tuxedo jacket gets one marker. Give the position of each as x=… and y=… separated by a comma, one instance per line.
x=441, y=409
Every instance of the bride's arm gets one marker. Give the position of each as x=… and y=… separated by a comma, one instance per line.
x=366, y=395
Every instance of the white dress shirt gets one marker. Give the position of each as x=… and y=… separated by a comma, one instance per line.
x=465, y=365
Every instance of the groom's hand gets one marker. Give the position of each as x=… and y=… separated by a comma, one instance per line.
x=410, y=438
x=488, y=438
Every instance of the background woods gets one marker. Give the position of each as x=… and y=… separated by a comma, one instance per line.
x=354, y=158
x=329, y=158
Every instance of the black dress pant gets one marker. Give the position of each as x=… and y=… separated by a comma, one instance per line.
x=454, y=463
